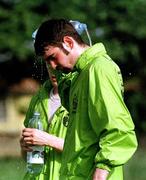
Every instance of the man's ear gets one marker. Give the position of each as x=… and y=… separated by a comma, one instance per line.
x=67, y=43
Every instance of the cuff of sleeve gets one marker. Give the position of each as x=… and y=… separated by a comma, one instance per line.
x=104, y=166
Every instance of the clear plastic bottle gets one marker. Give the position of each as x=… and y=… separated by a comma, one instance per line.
x=35, y=159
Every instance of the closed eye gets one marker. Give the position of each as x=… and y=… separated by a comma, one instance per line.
x=50, y=58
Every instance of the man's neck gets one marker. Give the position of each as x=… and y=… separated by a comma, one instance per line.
x=78, y=51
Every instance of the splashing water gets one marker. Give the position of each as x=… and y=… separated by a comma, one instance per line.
x=40, y=70
x=130, y=73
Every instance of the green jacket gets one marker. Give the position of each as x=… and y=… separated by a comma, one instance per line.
x=100, y=133
x=57, y=127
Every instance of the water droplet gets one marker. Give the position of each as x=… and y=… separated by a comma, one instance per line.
x=130, y=73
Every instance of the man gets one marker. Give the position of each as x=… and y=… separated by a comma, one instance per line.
x=54, y=118
x=100, y=136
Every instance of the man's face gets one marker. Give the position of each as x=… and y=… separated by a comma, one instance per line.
x=57, y=59
x=52, y=78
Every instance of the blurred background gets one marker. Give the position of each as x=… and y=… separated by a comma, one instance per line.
x=120, y=25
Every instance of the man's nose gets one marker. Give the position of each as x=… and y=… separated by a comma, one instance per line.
x=52, y=64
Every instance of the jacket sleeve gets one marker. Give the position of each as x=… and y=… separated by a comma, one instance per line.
x=109, y=116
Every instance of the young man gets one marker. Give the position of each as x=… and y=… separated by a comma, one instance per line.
x=100, y=136
x=54, y=119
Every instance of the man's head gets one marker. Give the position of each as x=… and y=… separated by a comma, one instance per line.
x=59, y=43
x=52, y=32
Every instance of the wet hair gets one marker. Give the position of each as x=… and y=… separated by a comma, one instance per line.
x=52, y=32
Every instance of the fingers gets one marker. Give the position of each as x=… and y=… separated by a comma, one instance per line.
x=33, y=136
x=28, y=132
x=27, y=136
x=30, y=135
x=28, y=140
x=25, y=146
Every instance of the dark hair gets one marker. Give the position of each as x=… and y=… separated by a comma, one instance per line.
x=51, y=32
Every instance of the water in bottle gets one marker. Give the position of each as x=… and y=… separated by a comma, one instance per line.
x=35, y=158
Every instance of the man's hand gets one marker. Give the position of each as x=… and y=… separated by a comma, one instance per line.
x=33, y=136
x=100, y=174
x=24, y=147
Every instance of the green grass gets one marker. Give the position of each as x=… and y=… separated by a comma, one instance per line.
x=135, y=169
x=12, y=169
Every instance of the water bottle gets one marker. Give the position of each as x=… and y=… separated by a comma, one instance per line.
x=79, y=27
x=35, y=158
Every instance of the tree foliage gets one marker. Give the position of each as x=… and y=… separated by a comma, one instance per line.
x=120, y=25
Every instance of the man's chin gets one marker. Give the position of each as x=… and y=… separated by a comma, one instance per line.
x=66, y=70
x=63, y=70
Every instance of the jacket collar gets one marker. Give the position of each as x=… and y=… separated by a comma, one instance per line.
x=88, y=55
